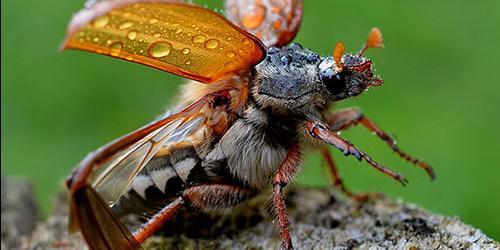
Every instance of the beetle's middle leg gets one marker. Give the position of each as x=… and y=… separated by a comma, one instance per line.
x=283, y=176
x=349, y=117
x=337, y=179
x=209, y=196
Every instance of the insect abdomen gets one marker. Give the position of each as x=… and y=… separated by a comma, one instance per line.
x=161, y=181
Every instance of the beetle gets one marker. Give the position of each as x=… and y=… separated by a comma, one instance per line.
x=253, y=103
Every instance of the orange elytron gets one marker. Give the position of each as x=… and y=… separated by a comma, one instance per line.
x=251, y=107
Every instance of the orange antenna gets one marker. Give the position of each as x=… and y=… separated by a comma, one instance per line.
x=374, y=40
x=338, y=52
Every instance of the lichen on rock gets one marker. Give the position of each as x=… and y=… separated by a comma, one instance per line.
x=320, y=219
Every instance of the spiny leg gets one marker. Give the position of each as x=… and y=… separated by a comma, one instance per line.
x=347, y=118
x=201, y=197
x=337, y=179
x=157, y=221
x=322, y=132
x=282, y=177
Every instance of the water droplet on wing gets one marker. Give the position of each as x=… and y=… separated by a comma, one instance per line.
x=132, y=35
x=116, y=48
x=125, y=25
x=212, y=44
x=198, y=39
x=160, y=49
x=185, y=51
x=101, y=21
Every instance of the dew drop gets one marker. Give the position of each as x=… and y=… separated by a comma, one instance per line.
x=188, y=62
x=246, y=41
x=95, y=39
x=160, y=49
x=132, y=35
x=212, y=44
x=230, y=54
x=198, y=39
x=178, y=30
x=116, y=47
x=101, y=21
x=185, y=51
x=125, y=25
x=157, y=34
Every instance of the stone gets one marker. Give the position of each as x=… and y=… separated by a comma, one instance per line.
x=320, y=219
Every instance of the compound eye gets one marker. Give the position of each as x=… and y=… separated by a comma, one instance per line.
x=335, y=82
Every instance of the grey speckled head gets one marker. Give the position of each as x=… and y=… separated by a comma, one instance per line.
x=293, y=77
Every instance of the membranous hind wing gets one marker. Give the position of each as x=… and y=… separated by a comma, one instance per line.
x=179, y=38
x=274, y=22
x=103, y=177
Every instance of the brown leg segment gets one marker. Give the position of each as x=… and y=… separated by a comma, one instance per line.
x=284, y=175
x=202, y=197
x=347, y=118
x=337, y=179
x=157, y=221
x=321, y=132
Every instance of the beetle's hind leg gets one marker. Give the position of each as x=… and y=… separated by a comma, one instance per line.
x=157, y=221
x=204, y=197
x=349, y=117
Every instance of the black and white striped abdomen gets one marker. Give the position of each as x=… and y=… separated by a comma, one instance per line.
x=160, y=181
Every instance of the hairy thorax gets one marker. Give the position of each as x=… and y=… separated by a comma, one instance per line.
x=255, y=145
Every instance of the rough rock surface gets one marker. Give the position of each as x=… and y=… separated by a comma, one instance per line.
x=320, y=219
x=19, y=213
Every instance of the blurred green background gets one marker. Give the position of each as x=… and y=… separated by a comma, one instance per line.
x=440, y=100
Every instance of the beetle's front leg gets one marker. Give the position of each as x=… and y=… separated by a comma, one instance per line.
x=349, y=117
x=282, y=177
x=322, y=132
